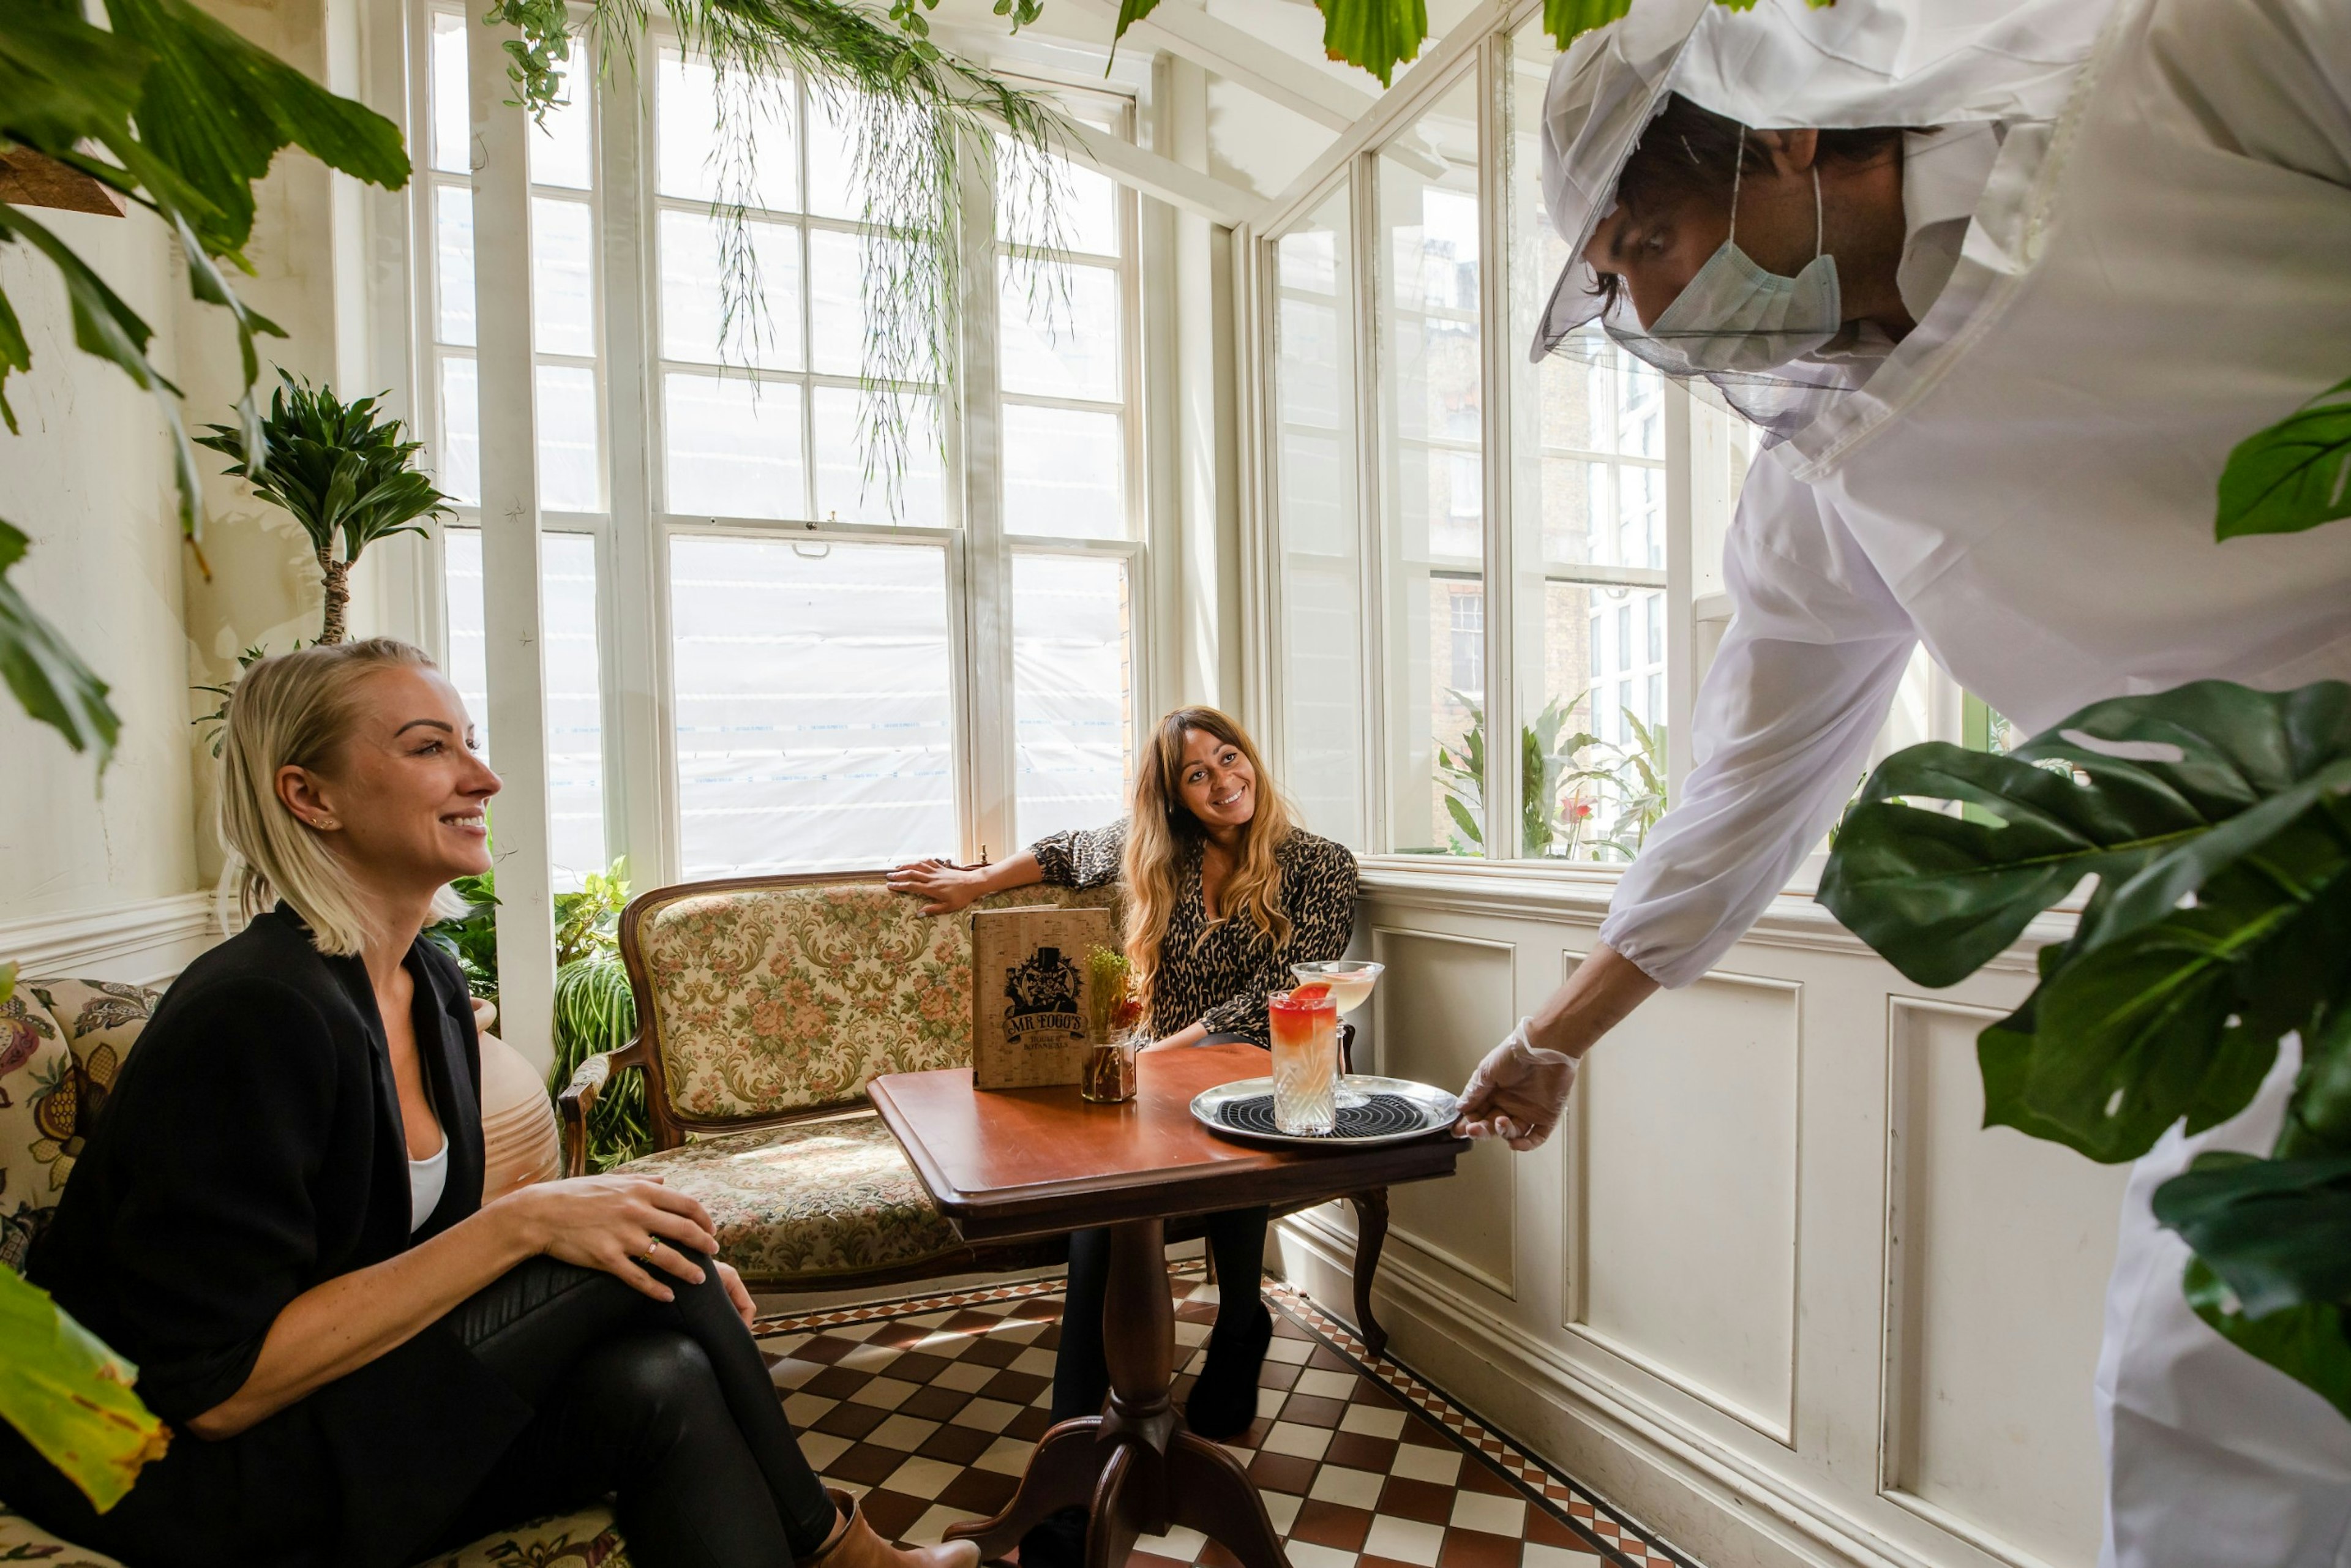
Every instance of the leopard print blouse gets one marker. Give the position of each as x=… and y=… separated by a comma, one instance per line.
x=1216, y=973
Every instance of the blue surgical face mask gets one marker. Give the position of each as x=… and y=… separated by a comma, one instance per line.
x=1735, y=317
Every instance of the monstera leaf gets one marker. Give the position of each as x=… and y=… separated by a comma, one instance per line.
x=2306, y=1342
x=2215, y=820
x=2213, y=817
x=2276, y=1232
x=2293, y=476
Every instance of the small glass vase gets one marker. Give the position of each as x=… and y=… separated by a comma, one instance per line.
x=1108, y=1076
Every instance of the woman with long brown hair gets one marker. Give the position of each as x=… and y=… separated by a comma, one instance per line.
x=1224, y=893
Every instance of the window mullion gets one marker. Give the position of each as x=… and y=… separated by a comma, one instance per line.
x=990, y=755
x=510, y=543
x=1681, y=628
x=639, y=822
x=1370, y=511
x=1503, y=783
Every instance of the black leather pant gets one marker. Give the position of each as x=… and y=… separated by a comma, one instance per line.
x=1081, y=1375
x=669, y=1405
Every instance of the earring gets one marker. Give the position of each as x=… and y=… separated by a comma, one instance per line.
x=324, y=824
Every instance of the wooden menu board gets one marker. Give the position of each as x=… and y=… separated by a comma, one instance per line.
x=1028, y=994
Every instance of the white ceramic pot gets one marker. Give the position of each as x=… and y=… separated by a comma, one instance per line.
x=519, y=1141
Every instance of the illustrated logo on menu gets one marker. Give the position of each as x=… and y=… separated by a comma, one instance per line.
x=1044, y=997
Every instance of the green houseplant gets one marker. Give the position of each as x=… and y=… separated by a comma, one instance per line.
x=172, y=111
x=341, y=470
x=2217, y=822
x=1560, y=798
x=595, y=1010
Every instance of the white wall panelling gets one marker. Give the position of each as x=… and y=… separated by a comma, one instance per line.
x=143, y=943
x=1771, y=1289
x=1998, y=1247
x=1684, y=1205
x=1446, y=1000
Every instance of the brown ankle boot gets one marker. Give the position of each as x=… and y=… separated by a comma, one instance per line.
x=855, y=1545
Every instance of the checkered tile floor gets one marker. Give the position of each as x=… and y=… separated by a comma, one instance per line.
x=927, y=1409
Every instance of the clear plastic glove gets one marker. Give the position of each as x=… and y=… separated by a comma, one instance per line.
x=1516, y=1093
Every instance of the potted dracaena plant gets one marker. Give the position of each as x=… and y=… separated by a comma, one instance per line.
x=341, y=470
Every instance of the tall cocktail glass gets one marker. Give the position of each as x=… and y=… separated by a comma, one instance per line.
x=1351, y=981
x=1305, y=1029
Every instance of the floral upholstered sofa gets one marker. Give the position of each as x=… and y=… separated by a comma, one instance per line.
x=61, y=1044
x=765, y=1005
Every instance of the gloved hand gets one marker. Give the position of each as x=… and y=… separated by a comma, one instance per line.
x=1516, y=1093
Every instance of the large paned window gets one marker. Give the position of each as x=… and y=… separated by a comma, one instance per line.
x=817, y=682
x=568, y=381
x=1316, y=469
x=1589, y=540
x=1066, y=388
x=1431, y=377
x=1518, y=682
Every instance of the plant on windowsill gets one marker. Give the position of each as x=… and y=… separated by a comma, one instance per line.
x=1559, y=799
x=339, y=470
x=595, y=1010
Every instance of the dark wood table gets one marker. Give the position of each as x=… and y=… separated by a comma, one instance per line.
x=1005, y=1164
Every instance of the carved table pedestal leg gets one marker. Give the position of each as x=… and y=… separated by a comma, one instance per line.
x=1137, y=1470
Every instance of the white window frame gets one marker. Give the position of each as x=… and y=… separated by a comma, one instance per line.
x=1478, y=46
x=633, y=534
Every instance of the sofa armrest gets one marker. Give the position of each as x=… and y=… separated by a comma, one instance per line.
x=588, y=1080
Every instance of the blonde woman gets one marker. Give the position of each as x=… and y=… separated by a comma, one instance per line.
x=1223, y=894
x=279, y=1219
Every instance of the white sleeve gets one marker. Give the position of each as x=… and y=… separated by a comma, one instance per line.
x=1781, y=734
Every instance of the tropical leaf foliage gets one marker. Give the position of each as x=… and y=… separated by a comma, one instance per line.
x=2293, y=476
x=1566, y=779
x=47, y=677
x=180, y=114
x=343, y=473
x=595, y=1011
x=2216, y=820
x=70, y=1396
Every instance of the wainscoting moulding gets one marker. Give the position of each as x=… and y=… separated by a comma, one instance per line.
x=1581, y=897
x=1773, y=1516
x=146, y=943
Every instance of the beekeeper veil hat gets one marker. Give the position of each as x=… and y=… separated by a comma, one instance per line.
x=1784, y=64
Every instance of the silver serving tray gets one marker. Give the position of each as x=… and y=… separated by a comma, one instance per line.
x=1438, y=1110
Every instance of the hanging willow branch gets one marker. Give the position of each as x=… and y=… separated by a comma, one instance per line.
x=910, y=107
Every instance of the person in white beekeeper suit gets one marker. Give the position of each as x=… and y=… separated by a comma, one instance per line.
x=2002, y=282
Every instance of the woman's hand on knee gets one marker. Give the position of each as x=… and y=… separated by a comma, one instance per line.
x=739, y=1294
x=627, y=1226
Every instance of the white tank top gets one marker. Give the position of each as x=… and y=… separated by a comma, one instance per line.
x=426, y=1177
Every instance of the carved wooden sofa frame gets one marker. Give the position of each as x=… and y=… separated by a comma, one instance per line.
x=676, y=1125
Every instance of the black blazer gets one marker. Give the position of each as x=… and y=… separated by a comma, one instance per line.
x=250, y=1150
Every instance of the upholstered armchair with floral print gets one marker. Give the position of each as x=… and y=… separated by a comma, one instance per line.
x=765, y=1005
x=61, y=1044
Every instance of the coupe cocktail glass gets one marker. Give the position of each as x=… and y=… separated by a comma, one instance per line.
x=1305, y=1029
x=1351, y=981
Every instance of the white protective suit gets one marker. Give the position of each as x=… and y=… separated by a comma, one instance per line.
x=2158, y=267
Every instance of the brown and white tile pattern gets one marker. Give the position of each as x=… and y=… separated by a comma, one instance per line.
x=928, y=1407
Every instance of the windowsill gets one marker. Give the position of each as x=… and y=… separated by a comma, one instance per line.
x=1583, y=890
